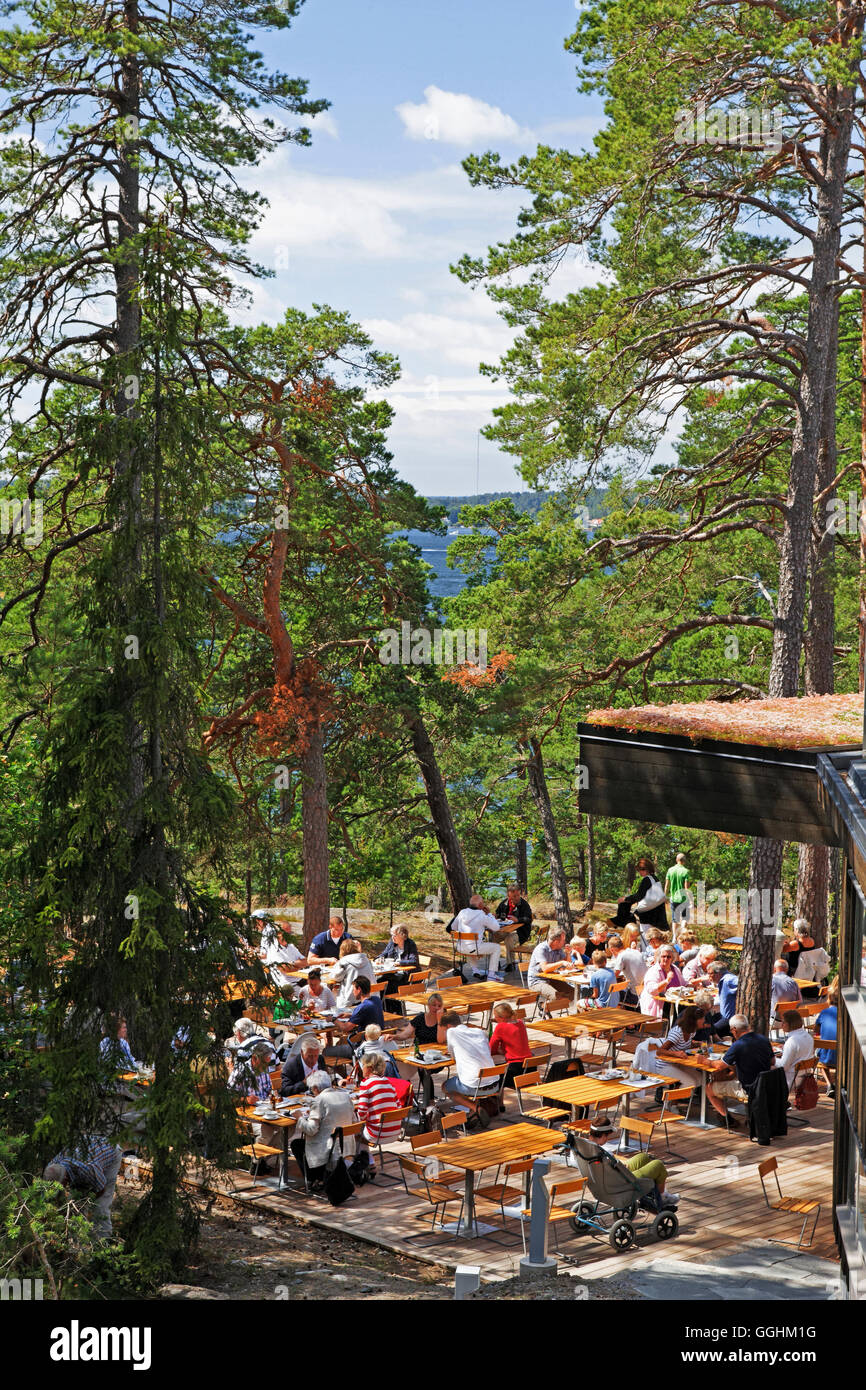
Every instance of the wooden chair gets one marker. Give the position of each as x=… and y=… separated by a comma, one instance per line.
x=666, y=1115
x=488, y=1087
x=386, y=1120
x=434, y=1194
x=503, y=1191
x=793, y=1206
x=556, y=1214
x=642, y=1129
x=446, y=1177
x=255, y=1151
x=550, y=1115
x=456, y=1120
x=417, y=977
x=583, y=1126
x=379, y=988
x=464, y=946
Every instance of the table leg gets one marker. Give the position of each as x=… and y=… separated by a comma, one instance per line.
x=469, y=1203
x=284, y=1160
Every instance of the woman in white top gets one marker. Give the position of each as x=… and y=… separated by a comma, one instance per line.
x=799, y=1045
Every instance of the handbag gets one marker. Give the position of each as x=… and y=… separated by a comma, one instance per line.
x=806, y=1094
x=338, y=1185
x=654, y=897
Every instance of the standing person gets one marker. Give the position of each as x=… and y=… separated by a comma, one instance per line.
x=94, y=1166
x=474, y=920
x=814, y=963
x=646, y=901
x=509, y=1041
x=678, y=890
x=515, y=908
x=749, y=1055
x=663, y=974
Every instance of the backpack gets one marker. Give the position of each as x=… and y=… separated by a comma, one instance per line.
x=806, y=1094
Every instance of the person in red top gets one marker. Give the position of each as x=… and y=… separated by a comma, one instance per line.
x=509, y=1041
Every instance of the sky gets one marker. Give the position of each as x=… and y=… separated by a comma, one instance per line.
x=369, y=218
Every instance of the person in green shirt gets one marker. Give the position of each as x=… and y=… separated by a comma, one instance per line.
x=677, y=890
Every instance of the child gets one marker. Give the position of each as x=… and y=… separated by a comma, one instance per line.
x=601, y=979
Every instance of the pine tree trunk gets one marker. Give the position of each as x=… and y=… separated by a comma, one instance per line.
x=759, y=934
x=541, y=798
x=317, y=900
x=521, y=867
x=811, y=427
x=450, y=848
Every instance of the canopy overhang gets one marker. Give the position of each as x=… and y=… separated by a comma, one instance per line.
x=745, y=789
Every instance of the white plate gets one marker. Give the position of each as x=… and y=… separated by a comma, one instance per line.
x=432, y=1056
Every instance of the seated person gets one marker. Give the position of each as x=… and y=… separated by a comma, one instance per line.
x=628, y=963
x=726, y=983
x=325, y=947
x=244, y=1030
x=352, y=963
x=116, y=1047
x=471, y=1052
x=401, y=949
x=315, y=994
x=827, y=1025
x=277, y=947
x=749, y=1055
x=577, y=951
x=705, y=1006
x=687, y=945
x=653, y=939
x=425, y=1030
x=474, y=921
x=330, y=1110
x=509, y=1042
x=250, y=1075
x=660, y=1058
x=545, y=959
x=367, y=1009
x=643, y=1165
x=514, y=908
x=376, y=1096
x=375, y=1041
x=663, y=975
x=798, y=1045
x=301, y=1065
x=601, y=978
x=697, y=971
x=782, y=988
x=597, y=939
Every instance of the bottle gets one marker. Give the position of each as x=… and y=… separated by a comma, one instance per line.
x=416, y=1049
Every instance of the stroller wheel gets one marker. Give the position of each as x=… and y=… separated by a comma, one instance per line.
x=580, y=1220
x=666, y=1225
x=628, y=1213
x=621, y=1235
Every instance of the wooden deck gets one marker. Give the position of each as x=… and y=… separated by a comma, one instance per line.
x=721, y=1206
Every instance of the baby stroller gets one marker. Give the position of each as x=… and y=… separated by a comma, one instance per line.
x=623, y=1200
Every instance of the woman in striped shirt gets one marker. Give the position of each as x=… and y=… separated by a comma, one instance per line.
x=375, y=1096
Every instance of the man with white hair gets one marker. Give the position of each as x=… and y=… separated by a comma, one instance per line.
x=304, y=1060
x=696, y=971
x=94, y=1166
x=331, y=1109
x=474, y=920
x=749, y=1055
x=783, y=989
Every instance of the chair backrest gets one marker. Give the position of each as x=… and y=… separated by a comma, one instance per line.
x=449, y=982
x=425, y=1141
x=466, y=941
x=523, y=1165
x=380, y=988
x=634, y=1126
x=768, y=1166
x=446, y=1122
x=807, y=1064
x=276, y=1078
x=426, y=961
x=528, y=1078
x=785, y=1006
x=556, y=1006
x=403, y=990
x=416, y=976
x=678, y=1093
x=620, y=987
x=353, y=1130
x=559, y=1189
x=412, y=1165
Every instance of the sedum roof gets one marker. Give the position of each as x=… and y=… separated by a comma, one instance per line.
x=809, y=721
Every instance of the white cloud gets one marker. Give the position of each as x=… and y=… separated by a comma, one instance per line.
x=323, y=124
x=455, y=118
x=465, y=340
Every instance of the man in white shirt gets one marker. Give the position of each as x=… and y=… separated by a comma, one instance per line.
x=696, y=972
x=471, y=1052
x=799, y=1045
x=277, y=949
x=628, y=963
x=474, y=920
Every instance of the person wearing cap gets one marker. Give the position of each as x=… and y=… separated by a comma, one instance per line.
x=331, y=1109
x=300, y=1066
x=643, y=1165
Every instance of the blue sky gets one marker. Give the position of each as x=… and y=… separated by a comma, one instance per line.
x=369, y=218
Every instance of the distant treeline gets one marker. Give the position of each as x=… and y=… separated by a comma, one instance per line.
x=530, y=502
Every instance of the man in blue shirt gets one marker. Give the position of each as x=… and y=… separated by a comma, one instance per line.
x=749, y=1055
x=326, y=946
x=828, y=1023
x=368, y=1009
x=93, y=1165
x=726, y=983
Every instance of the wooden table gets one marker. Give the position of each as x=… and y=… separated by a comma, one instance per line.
x=473, y=998
x=594, y=1023
x=488, y=1150
x=705, y=1066
x=582, y=1091
x=286, y=1121
x=407, y=1056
